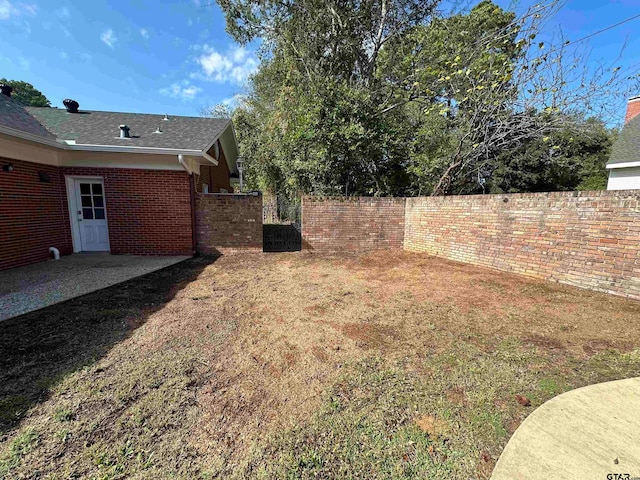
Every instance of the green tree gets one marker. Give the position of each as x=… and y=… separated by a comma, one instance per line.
x=391, y=97
x=317, y=102
x=26, y=94
x=569, y=159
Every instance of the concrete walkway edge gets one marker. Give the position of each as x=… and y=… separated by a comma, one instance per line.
x=592, y=432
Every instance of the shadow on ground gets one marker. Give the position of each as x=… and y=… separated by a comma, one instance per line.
x=281, y=238
x=40, y=348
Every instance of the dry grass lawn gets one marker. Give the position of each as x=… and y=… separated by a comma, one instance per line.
x=388, y=365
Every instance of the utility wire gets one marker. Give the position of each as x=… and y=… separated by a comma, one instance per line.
x=593, y=34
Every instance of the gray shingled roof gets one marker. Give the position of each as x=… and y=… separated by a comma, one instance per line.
x=13, y=115
x=102, y=128
x=627, y=146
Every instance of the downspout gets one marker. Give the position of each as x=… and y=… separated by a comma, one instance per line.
x=184, y=164
x=192, y=202
x=192, y=185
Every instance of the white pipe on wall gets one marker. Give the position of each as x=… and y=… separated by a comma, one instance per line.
x=56, y=253
x=184, y=164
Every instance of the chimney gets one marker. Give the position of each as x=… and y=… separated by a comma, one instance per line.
x=71, y=105
x=6, y=89
x=633, y=108
x=124, y=131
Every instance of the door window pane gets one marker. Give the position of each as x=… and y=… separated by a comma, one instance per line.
x=98, y=201
x=99, y=213
x=97, y=189
x=86, y=201
x=87, y=213
x=85, y=188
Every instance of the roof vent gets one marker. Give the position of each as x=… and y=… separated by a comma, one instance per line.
x=166, y=117
x=71, y=105
x=158, y=130
x=124, y=131
x=6, y=89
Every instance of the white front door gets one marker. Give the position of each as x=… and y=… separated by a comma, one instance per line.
x=92, y=215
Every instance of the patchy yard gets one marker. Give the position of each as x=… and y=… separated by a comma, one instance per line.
x=298, y=366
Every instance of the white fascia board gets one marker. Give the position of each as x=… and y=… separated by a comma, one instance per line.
x=229, y=144
x=124, y=149
x=623, y=165
x=210, y=144
x=210, y=158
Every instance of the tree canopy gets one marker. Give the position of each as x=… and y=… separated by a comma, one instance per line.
x=26, y=94
x=393, y=97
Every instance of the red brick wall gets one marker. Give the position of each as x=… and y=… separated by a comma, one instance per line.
x=227, y=224
x=352, y=224
x=148, y=211
x=633, y=109
x=216, y=176
x=33, y=214
x=586, y=239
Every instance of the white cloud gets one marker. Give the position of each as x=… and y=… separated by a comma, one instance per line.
x=64, y=55
x=24, y=63
x=9, y=9
x=63, y=13
x=144, y=33
x=190, y=92
x=108, y=38
x=186, y=91
x=28, y=8
x=233, y=102
x=234, y=66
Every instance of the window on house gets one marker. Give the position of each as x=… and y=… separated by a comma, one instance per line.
x=205, y=188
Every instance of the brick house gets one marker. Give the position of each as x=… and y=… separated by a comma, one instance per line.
x=87, y=181
x=624, y=162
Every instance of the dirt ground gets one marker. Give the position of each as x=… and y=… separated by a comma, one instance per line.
x=300, y=366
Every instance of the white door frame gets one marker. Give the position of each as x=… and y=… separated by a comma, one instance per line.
x=70, y=181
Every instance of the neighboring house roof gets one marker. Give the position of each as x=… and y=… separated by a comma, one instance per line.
x=14, y=116
x=102, y=128
x=626, y=149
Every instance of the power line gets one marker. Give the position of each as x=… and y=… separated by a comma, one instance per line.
x=593, y=34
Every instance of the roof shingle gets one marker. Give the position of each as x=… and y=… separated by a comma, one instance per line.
x=102, y=128
x=627, y=147
x=13, y=115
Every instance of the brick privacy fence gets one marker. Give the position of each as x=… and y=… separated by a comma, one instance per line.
x=352, y=224
x=227, y=223
x=586, y=239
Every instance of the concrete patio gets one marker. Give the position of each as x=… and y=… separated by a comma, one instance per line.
x=588, y=433
x=40, y=285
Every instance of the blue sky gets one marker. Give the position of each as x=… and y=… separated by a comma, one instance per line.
x=161, y=56
x=134, y=55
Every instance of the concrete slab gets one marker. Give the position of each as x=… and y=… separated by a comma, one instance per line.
x=36, y=286
x=588, y=433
